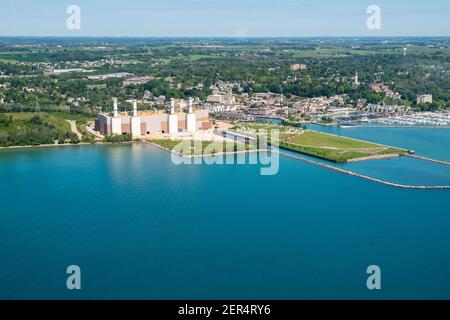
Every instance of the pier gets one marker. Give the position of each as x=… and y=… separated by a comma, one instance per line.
x=351, y=173
x=429, y=159
x=354, y=174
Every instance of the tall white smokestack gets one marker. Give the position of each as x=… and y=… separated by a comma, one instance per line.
x=191, y=101
x=115, y=108
x=191, y=118
x=172, y=106
x=135, y=111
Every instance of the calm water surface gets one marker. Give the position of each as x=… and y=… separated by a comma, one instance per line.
x=141, y=227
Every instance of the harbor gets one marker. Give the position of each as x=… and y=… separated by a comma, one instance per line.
x=354, y=174
x=419, y=119
x=291, y=154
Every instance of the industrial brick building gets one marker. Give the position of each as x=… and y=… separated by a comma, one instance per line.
x=141, y=123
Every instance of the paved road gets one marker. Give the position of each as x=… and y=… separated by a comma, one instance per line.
x=89, y=129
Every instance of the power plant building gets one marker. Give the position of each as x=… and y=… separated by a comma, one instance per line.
x=141, y=123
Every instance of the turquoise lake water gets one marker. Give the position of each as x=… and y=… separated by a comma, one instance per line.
x=141, y=227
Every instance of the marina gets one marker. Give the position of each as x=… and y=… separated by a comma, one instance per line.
x=419, y=119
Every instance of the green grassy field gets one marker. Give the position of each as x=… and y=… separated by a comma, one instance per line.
x=192, y=58
x=264, y=126
x=200, y=147
x=197, y=57
x=317, y=144
x=334, y=148
x=28, y=128
x=336, y=52
x=80, y=119
x=25, y=129
x=7, y=60
x=55, y=115
x=55, y=119
x=327, y=53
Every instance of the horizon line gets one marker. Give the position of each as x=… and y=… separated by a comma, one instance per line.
x=224, y=36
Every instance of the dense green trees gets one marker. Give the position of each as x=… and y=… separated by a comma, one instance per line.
x=5, y=120
x=34, y=131
x=258, y=65
x=118, y=138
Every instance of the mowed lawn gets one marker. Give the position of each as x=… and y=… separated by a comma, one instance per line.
x=334, y=148
x=318, y=139
x=189, y=147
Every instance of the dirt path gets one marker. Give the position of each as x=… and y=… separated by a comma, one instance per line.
x=74, y=129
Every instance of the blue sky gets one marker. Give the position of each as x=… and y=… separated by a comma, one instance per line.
x=224, y=18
